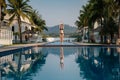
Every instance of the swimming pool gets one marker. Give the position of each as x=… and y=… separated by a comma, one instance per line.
x=59, y=43
x=62, y=63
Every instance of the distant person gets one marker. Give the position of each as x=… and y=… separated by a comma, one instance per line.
x=26, y=38
x=61, y=57
x=61, y=27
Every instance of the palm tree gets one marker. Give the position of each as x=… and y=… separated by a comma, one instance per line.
x=117, y=3
x=19, y=9
x=38, y=21
x=83, y=19
x=96, y=9
x=110, y=14
x=104, y=11
x=2, y=5
x=80, y=25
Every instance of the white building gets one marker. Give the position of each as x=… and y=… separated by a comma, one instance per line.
x=13, y=30
x=84, y=33
x=6, y=35
x=96, y=32
x=25, y=25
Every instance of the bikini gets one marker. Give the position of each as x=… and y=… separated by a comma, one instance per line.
x=61, y=31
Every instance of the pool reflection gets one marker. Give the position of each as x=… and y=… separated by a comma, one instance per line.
x=99, y=63
x=19, y=66
x=61, y=58
x=90, y=63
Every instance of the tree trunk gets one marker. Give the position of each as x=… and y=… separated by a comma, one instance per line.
x=20, y=32
x=92, y=36
x=19, y=62
x=119, y=27
x=111, y=36
x=105, y=38
x=101, y=36
x=19, y=67
x=0, y=14
x=118, y=40
x=88, y=35
x=119, y=30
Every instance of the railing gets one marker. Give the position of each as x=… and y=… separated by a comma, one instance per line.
x=6, y=36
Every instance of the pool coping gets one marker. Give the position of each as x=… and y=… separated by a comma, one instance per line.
x=77, y=44
x=10, y=48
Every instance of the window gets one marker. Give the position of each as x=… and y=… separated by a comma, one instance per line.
x=13, y=29
x=32, y=28
x=26, y=28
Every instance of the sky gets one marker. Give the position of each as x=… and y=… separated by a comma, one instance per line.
x=55, y=12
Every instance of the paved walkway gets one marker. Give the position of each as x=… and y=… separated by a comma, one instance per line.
x=79, y=43
x=17, y=46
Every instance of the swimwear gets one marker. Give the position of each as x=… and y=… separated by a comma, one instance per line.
x=61, y=29
x=61, y=34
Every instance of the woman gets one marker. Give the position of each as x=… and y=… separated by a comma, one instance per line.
x=61, y=27
x=61, y=58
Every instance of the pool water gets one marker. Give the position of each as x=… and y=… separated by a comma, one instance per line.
x=59, y=43
x=62, y=63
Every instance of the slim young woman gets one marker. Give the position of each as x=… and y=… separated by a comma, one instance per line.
x=61, y=27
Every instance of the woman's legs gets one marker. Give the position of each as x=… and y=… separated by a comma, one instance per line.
x=61, y=37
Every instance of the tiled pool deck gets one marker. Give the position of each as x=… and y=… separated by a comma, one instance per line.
x=77, y=44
